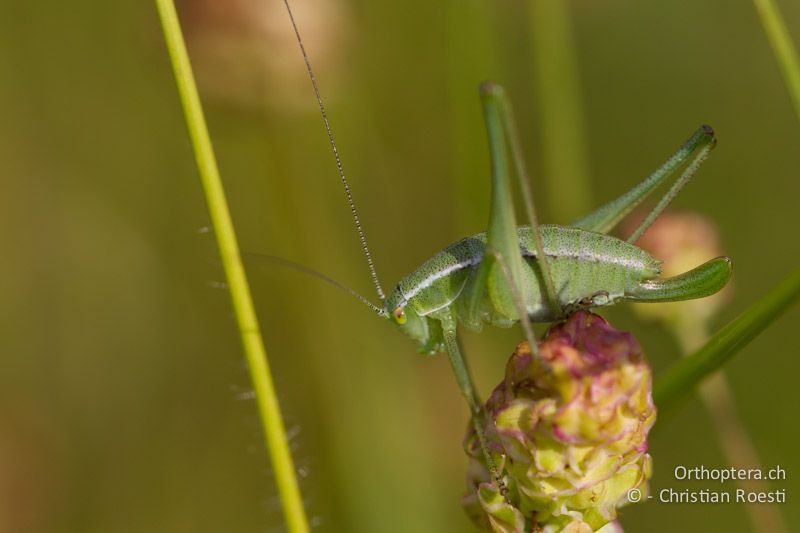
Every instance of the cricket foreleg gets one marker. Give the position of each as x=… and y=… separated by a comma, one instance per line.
x=477, y=412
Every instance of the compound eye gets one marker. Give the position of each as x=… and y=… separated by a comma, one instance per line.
x=399, y=315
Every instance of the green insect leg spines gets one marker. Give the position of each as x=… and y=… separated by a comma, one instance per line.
x=568, y=432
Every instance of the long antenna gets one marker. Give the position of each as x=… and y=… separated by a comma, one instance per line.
x=319, y=275
x=351, y=203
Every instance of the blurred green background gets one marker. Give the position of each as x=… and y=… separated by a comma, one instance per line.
x=124, y=400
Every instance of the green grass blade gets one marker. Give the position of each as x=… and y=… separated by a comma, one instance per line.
x=563, y=137
x=266, y=399
x=782, y=47
x=689, y=371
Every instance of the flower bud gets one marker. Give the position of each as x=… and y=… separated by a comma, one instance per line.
x=245, y=54
x=568, y=432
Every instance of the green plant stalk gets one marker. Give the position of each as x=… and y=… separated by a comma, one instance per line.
x=266, y=399
x=735, y=443
x=689, y=371
x=782, y=47
x=472, y=59
x=558, y=89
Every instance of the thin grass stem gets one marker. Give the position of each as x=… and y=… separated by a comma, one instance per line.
x=563, y=136
x=266, y=399
x=782, y=47
x=472, y=59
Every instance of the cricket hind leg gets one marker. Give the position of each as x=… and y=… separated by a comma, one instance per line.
x=519, y=303
x=501, y=236
x=673, y=191
x=606, y=217
x=512, y=136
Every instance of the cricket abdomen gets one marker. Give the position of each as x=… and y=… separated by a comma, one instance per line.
x=585, y=266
